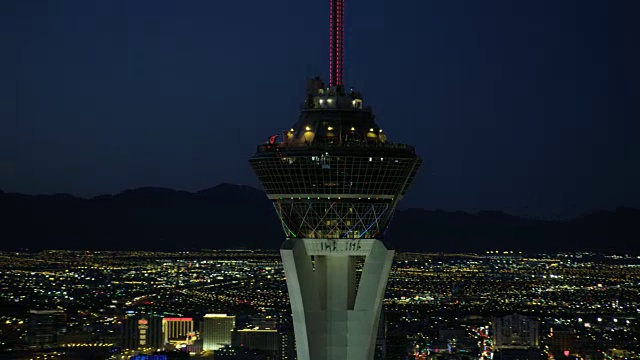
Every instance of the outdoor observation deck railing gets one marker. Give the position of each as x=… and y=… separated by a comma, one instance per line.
x=285, y=147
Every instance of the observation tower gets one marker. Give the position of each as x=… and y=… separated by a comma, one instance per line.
x=335, y=181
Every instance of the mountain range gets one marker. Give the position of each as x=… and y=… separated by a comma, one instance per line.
x=235, y=216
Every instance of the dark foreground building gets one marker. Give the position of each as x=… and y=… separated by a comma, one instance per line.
x=142, y=331
x=44, y=327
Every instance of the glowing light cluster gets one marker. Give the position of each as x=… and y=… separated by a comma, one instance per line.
x=177, y=319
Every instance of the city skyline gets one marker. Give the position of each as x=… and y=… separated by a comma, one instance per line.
x=515, y=239
x=523, y=108
x=580, y=303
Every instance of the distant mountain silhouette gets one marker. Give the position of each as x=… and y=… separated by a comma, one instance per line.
x=234, y=216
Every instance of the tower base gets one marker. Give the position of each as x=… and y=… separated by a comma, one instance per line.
x=333, y=316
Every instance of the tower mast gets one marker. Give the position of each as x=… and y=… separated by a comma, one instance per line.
x=336, y=42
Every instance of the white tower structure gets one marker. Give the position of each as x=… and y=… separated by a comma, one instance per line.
x=334, y=317
x=335, y=181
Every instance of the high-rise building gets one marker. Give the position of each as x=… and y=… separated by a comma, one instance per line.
x=335, y=181
x=44, y=327
x=287, y=344
x=264, y=322
x=256, y=339
x=177, y=330
x=216, y=331
x=562, y=341
x=142, y=331
x=515, y=332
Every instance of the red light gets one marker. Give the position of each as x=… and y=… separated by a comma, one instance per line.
x=336, y=43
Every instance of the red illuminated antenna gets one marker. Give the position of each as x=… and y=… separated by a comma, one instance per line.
x=336, y=42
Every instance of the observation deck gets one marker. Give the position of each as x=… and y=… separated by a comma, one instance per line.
x=334, y=175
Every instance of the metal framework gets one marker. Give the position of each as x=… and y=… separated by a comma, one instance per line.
x=326, y=197
x=372, y=177
x=333, y=220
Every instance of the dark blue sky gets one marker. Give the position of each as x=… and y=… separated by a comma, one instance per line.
x=529, y=107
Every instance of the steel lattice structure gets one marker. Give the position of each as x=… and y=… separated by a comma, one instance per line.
x=324, y=196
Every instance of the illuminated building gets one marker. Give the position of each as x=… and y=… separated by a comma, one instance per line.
x=149, y=357
x=287, y=344
x=335, y=182
x=142, y=331
x=44, y=327
x=515, y=332
x=177, y=330
x=216, y=331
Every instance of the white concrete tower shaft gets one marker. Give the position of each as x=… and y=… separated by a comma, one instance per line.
x=334, y=317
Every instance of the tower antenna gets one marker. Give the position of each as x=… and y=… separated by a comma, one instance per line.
x=336, y=42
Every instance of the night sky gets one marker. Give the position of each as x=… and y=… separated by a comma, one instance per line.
x=528, y=107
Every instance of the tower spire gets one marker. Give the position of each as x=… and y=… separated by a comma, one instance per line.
x=336, y=42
